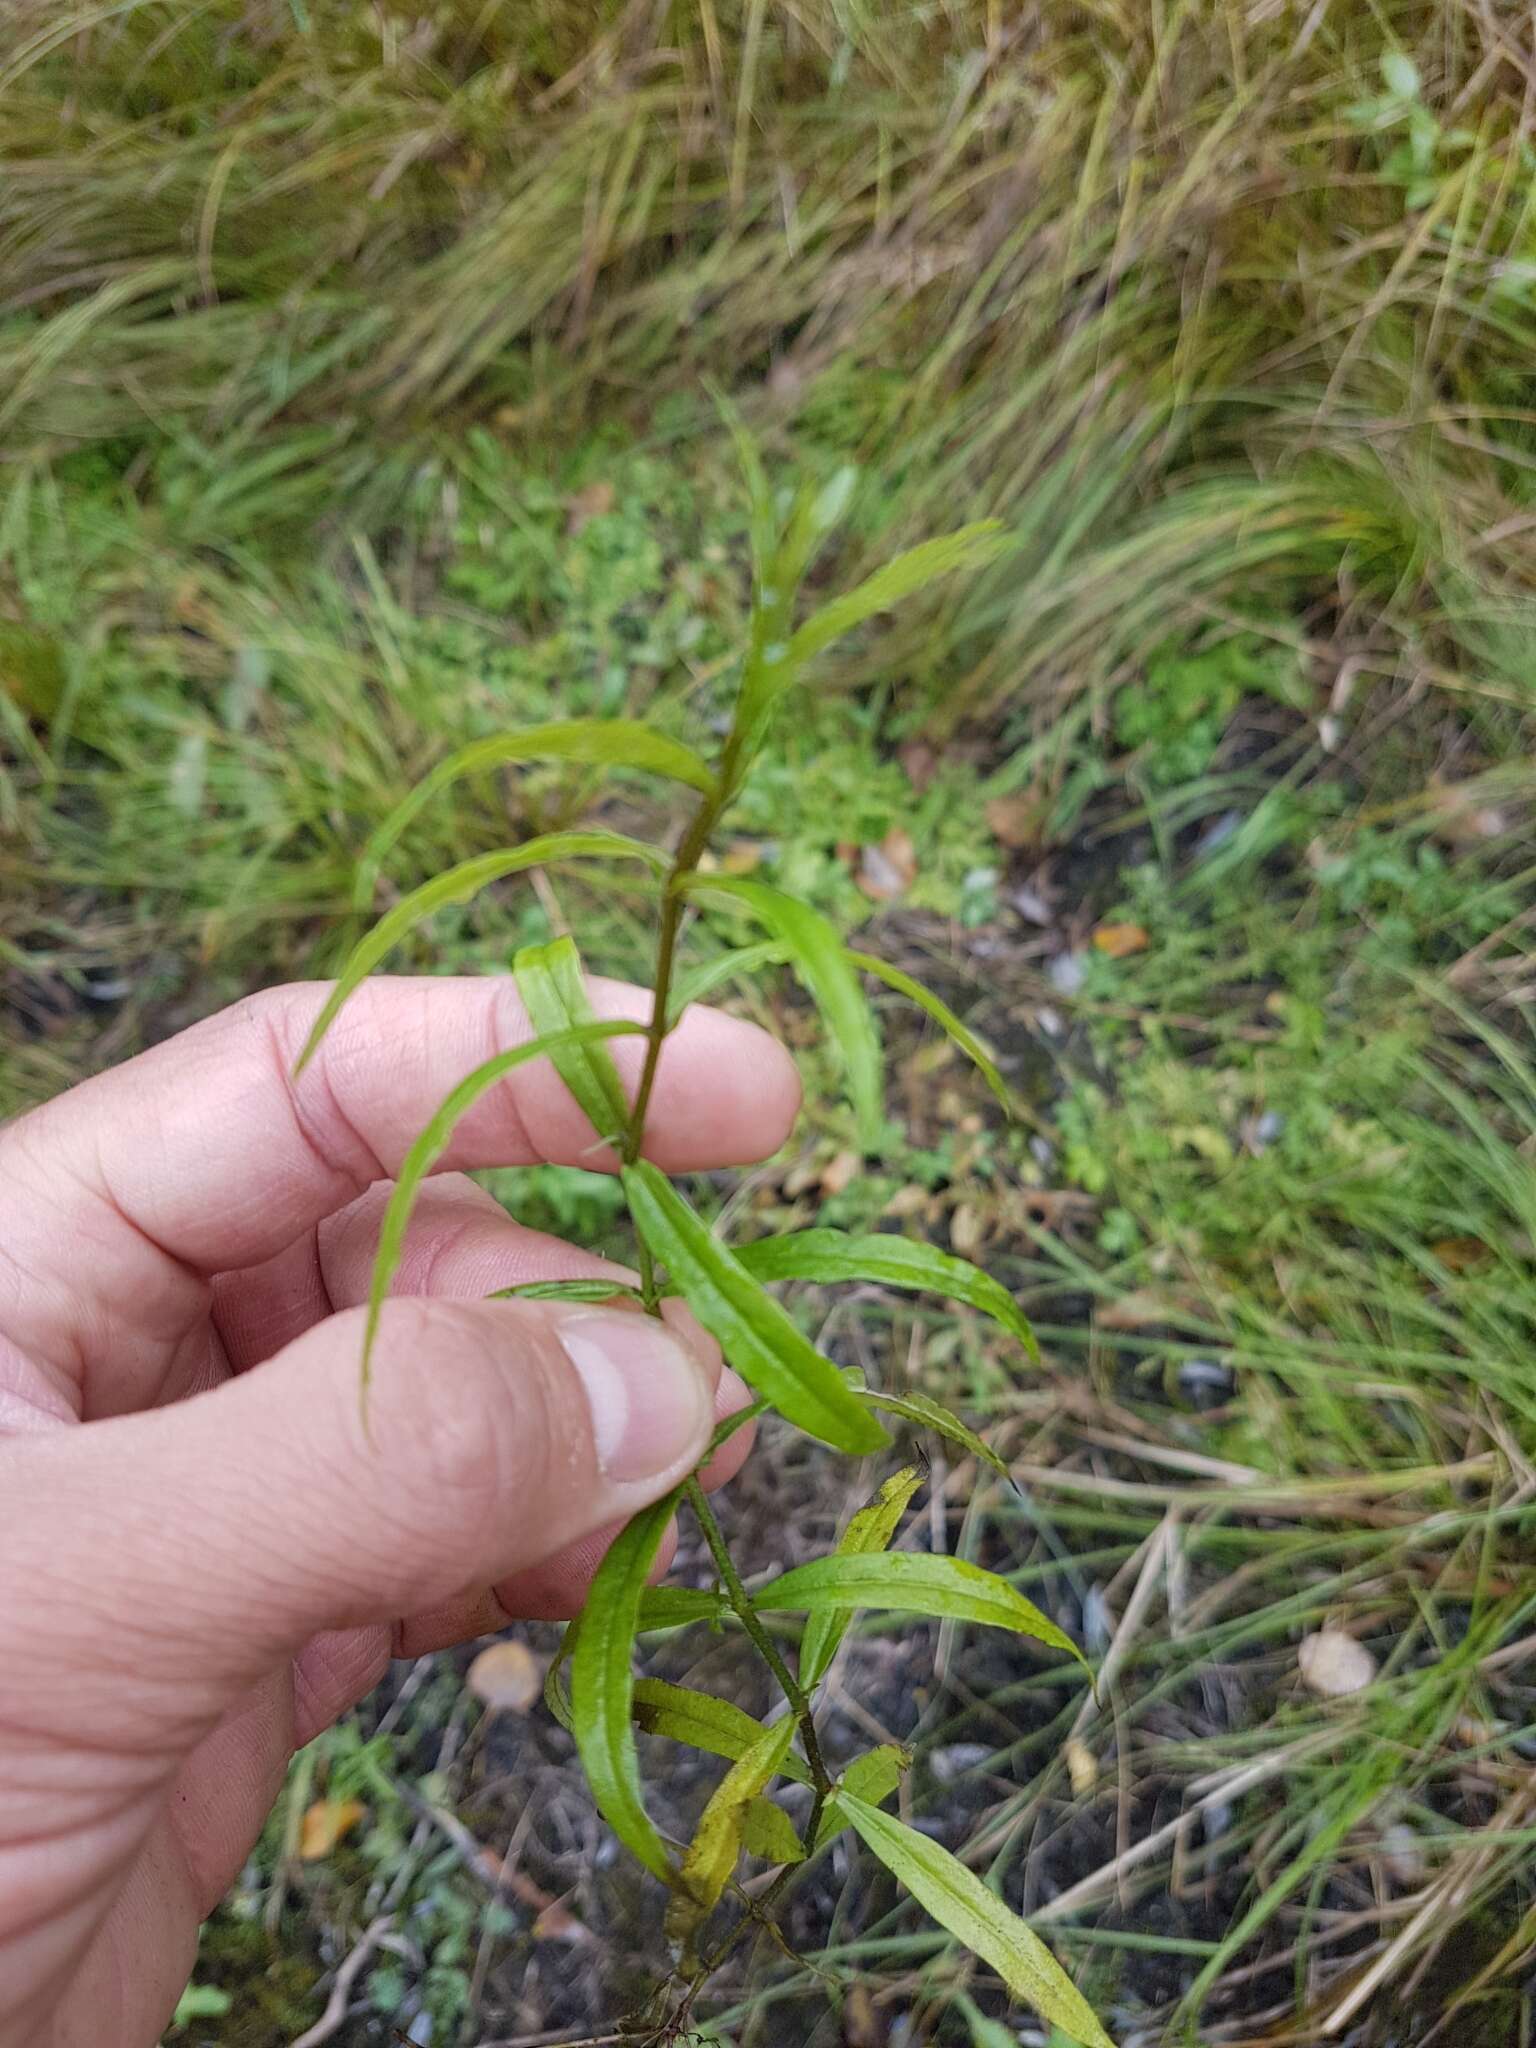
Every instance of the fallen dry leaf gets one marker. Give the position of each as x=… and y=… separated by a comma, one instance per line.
x=1333, y=1664
x=840, y=1172
x=1459, y=819
x=919, y=763
x=741, y=857
x=861, y=2022
x=888, y=870
x=1461, y=1254
x=967, y=1230
x=507, y=1677
x=326, y=1823
x=1013, y=821
x=1119, y=941
x=1142, y=1309
x=1082, y=1767
x=587, y=504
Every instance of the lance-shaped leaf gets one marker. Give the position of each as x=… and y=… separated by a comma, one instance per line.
x=566, y=1290
x=604, y=742
x=830, y=1256
x=872, y=1777
x=752, y=1330
x=959, y=1901
x=458, y=885
x=554, y=992
x=702, y=980
x=929, y=1414
x=433, y=1141
x=717, y=1842
x=602, y=1684
x=912, y=1582
x=770, y=1833
x=942, y=1015
x=680, y=1606
x=824, y=964
x=703, y=1722
x=967, y=548
x=870, y=1530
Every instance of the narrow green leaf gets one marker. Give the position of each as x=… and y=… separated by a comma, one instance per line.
x=557, y=1694
x=869, y=1531
x=913, y=1582
x=605, y=742
x=458, y=885
x=702, y=980
x=679, y=1606
x=770, y=1833
x=873, y=1776
x=433, y=1141
x=890, y=1261
x=825, y=966
x=753, y=1331
x=602, y=1684
x=554, y=992
x=717, y=1842
x=943, y=1016
x=724, y=1431
x=927, y=1414
x=703, y=1722
x=959, y=1901
x=910, y=572
x=566, y=1290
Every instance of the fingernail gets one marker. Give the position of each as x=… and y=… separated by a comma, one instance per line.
x=649, y=1399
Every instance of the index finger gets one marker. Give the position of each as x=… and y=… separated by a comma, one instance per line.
x=207, y=1152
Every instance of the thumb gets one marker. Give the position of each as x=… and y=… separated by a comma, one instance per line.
x=178, y=1553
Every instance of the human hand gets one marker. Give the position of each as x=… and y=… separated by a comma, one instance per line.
x=205, y=1562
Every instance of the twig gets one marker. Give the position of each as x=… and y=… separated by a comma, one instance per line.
x=347, y=1974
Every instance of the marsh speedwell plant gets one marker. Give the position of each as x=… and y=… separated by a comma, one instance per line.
x=593, y=1688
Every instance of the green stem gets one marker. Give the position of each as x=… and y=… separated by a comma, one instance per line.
x=767, y=1649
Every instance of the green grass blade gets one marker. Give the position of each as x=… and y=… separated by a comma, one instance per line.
x=959, y=1901
x=755, y=1334
x=913, y=1582
x=703, y=1722
x=824, y=964
x=830, y=1256
x=869, y=1531
x=432, y=1142
x=968, y=548
x=943, y=1016
x=458, y=885
x=554, y=992
x=602, y=1684
x=604, y=742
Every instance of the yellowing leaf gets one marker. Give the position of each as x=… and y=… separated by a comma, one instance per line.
x=325, y=1824
x=717, y=1841
x=870, y=1530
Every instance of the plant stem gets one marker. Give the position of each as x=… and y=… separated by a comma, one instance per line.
x=767, y=1649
